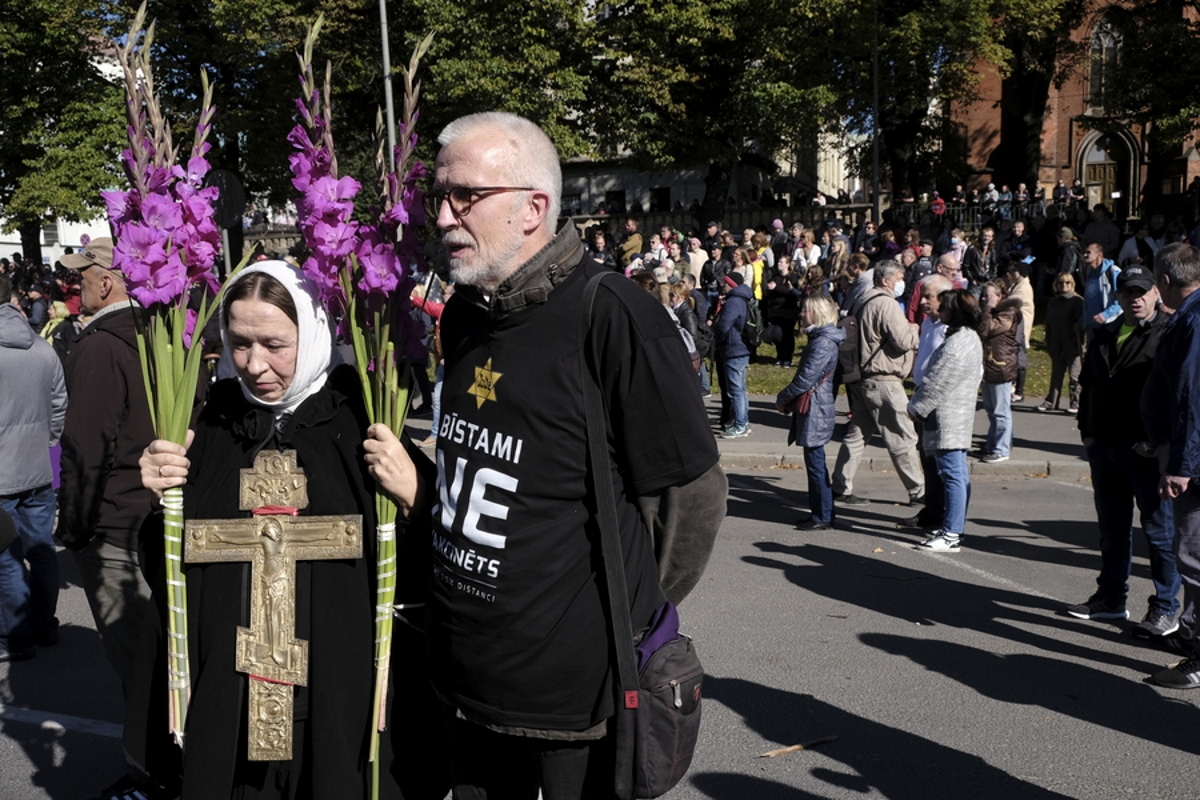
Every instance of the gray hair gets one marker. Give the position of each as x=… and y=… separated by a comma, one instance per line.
x=1180, y=262
x=936, y=283
x=887, y=268
x=528, y=158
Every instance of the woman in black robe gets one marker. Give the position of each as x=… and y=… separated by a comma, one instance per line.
x=288, y=391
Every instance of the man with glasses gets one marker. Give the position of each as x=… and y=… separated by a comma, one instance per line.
x=517, y=631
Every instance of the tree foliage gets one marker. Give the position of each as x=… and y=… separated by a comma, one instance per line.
x=663, y=83
x=249, y=51
x=527, y=58
x=1153, y=81
x=928, y=55
x=60, y=132
x=683, y=82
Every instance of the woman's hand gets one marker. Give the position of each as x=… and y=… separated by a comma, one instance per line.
x=392, y=469
x=165, y=464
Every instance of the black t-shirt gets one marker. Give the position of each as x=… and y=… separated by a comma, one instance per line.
x=517, y=629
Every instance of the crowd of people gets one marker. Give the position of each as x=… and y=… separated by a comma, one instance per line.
x=882, y=305
x=499, y=593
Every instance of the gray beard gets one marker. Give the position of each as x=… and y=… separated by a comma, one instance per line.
x=485, y=278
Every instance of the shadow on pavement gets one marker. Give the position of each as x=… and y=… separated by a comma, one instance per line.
x=71, y=678
x=914, y=596
x=897, y=764
x=1075, y=690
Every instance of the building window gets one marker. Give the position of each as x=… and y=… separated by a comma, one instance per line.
x=50, y=232
x=572, y=205
x=615, y=201
x=1106, y=46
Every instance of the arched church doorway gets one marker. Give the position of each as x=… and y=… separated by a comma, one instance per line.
x=1107, y=174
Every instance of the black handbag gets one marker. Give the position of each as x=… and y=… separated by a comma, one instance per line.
x=658, y=678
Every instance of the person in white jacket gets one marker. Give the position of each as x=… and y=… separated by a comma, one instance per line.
x=944, y=403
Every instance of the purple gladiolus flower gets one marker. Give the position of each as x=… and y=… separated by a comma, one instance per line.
x=120, y=206
x=336, y=241
x=165, y=284
x=162, y=212
x=381, y=267
x=143, y=244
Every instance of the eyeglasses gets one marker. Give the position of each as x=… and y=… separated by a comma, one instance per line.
x=463, y=197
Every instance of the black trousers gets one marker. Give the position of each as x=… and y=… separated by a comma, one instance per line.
x=486, y=765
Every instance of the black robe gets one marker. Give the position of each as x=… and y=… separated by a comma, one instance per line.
x=334, y=612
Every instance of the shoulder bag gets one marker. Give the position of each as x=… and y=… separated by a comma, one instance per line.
x=658, y=678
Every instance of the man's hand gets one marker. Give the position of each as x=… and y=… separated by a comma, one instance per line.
x=390, y=466
x=1171, y=486
x=1100, y=319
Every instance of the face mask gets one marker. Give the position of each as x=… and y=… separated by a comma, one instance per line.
x=953, y=240
x=898, y=289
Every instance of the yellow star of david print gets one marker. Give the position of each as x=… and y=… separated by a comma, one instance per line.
x=484, y=387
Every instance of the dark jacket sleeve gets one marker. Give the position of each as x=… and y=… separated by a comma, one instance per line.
x=685, y=521
x=731, y=319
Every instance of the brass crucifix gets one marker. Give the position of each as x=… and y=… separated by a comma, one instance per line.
x=272, y=543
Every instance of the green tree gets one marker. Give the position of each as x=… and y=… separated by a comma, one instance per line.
x=529, y=58
x=60, y=133
x=681, y=82
x=928, y=51
x=931, y=57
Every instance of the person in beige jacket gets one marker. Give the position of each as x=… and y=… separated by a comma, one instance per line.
x=887, y=342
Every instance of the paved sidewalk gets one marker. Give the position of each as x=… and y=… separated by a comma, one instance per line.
x=1044, y=443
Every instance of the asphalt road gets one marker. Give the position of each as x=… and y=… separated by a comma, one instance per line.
x=940, y=675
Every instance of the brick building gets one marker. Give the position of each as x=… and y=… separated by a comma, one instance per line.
x=1114, y=166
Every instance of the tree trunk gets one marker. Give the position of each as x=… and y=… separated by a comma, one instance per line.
x=232, y=161
x=1023, y=98
x=899, y=138
x=31, y=240
x=716, y=190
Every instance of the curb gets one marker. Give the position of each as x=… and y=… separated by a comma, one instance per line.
x=1028, y=468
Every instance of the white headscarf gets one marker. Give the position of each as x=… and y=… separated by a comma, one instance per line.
x=316, y=355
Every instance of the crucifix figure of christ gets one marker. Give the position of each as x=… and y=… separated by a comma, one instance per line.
x=272, y=540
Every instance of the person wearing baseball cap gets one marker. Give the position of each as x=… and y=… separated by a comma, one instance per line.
x=1117, y=365
x=96, y=253
x=102, y=503
x=1136, y=280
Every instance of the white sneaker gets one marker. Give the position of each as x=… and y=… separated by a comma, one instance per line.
x=942, y=542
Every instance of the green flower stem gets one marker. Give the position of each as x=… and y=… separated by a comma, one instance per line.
x=178, y=671
x=170, y=371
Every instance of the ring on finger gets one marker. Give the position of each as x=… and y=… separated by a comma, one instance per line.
x=160, y=472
